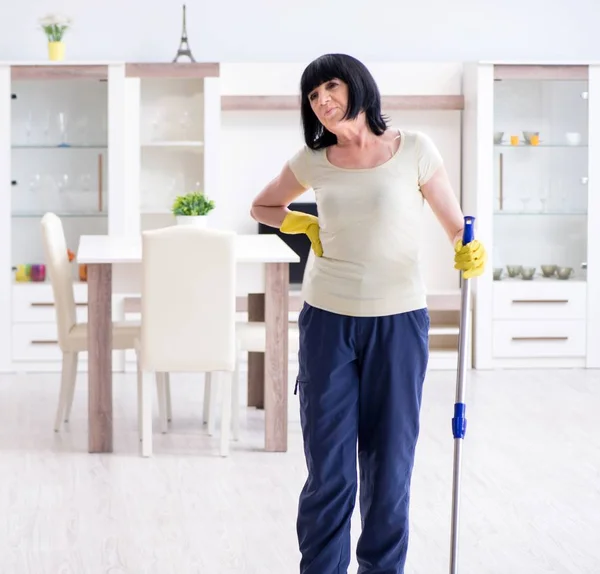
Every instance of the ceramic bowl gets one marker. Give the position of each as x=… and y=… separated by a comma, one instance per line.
x=529, y=135
x=527, y=273
x=498, y=273
x=513, y=270
x=564, y=272
x=549, y=270
x=573, y=138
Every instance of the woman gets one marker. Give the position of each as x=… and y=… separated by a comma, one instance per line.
x=364, y=325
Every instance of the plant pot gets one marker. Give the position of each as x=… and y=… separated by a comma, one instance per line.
x=56, y=51
x=196, y=220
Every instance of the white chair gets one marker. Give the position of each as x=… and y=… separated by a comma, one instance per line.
x=72, y=336
x=188, y=315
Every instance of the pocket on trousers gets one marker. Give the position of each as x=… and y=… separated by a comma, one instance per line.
x=421, y=318
x=297, y=386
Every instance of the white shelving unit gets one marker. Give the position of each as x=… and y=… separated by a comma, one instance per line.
x=537, y=203
x=78, y=140
x=173, y=128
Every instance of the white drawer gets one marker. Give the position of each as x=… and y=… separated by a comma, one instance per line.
x=539, y=299
x=553, y=338
x=34, y=303
x=36, y=342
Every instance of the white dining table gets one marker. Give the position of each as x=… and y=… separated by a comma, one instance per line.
x=102, y=252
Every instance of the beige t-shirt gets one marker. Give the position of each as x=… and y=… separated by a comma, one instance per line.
x=370, y=227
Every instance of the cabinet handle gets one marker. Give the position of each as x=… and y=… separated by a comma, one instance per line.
x=52, y=304
x=540, y=301
x=501, y=171
x=540, y=338
x=44, y=342
x=100, y=173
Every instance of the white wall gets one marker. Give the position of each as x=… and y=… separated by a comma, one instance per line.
x=267, y=30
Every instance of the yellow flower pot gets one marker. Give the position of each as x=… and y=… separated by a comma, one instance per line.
x=56, y=51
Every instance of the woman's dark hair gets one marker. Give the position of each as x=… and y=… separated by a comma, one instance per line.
x=363, y=96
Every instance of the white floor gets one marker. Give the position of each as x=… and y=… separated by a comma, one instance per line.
x=530, y=505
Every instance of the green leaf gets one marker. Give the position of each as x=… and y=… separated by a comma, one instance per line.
x=193, y=203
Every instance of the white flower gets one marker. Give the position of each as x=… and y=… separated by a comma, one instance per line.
x=55, y=20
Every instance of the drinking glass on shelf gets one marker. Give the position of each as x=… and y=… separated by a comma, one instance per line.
x=64, y=182
x=544, y=199
x=81, y=128
x=45, y=125
x=184, y=124
x=85, y=182
x=28, y=127
x=156, y=125
x=35, y=182
x=62, y=127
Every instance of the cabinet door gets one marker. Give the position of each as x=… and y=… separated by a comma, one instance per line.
x=541, y=172
x=172, y=133
x=58, y=150
x=593, y=229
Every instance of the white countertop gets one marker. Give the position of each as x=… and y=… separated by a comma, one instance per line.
x=104, y=249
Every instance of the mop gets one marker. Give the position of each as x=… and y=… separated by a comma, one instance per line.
x=459, y=422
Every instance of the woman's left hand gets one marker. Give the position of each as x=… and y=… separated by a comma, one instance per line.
x=470, y=258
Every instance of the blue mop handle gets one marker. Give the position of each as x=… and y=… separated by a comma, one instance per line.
x=469, y=230
x=459, y=422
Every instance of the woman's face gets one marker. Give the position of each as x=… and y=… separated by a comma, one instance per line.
x=329, y=101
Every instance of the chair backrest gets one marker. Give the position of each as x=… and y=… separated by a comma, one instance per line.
x=61, y=275
x=188, y=299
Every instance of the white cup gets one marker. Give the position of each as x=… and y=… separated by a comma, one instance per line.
x=573, y=138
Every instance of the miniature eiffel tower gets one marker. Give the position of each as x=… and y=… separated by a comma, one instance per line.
x=184, y=47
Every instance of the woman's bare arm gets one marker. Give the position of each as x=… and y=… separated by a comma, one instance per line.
x=271, y=205
x=440, y=196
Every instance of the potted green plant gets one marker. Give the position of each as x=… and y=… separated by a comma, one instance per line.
x=192, y=208
x=55, y=26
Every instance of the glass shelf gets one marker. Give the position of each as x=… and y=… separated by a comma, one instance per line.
x=540, y=213
x=170, y=143
x=542, y=145
x=60, y=146
x=61, y=215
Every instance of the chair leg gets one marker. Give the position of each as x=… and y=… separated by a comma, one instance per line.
x=67, y=387
x=74, y=363
x=145, y=400
x=212, y=403
x=235, y=401
x=140, y=394
x=161, y=391
x=168, y=391
x=207, y=394
x=225, y=384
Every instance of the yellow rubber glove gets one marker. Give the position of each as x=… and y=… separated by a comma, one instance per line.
x=297, y=222
x=470, y=258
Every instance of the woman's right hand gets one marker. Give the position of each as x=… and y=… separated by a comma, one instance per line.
x=298, y=222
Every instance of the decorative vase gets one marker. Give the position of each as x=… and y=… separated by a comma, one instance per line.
x=196, y=220
x=56, y=51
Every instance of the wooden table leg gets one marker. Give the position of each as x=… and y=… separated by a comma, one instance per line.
x=100, y=421
x=256, y=361
x=276, y=357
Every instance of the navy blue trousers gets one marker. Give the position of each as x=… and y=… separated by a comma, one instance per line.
x=360, y=383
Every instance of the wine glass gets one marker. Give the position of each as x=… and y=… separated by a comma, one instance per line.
x=184, y=124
